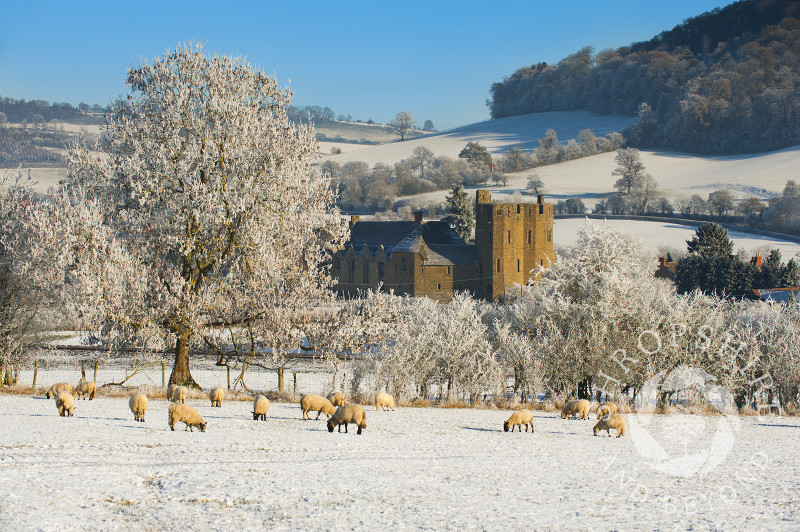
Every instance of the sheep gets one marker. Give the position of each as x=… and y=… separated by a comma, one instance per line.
x=606, y=409
x=179, y=395
x=85, y=388
x=614, y=421
x=58, y=387
x=311, y=403
x=216, y=394
x=138, y=405
x=336, y=398
x=348, y=414
x=576, y=408
x=171, y=391
x=260, y=407
x=385, y=401
x=185, y=414
x=519, y=418
x=64, y=403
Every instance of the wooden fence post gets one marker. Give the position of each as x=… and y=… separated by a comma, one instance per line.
x=35, y=371
x=95, y=371
x=280, y=379
x=163, y=374
x=229, y=377
x=295, y=382
x=83, y=370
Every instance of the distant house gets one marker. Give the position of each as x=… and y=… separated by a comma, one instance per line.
x=422, y=258
x=666, y=269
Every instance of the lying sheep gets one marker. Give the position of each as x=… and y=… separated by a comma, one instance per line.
x=179, y=394
x=216, y=394
x=576, y=408
x=58, y=387
x=348, y=414
x=138, y=405
x=606, y=409
x=260, y=407
x=336, y=398
x=316, y=403
x=85, y=388
x=64, y=403
x=185, y=414
x=614, y=421
x=385, y=401
x=519, y=418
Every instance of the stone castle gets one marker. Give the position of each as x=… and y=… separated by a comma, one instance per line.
x=429, y=259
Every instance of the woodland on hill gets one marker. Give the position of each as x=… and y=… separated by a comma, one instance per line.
x=724, y=82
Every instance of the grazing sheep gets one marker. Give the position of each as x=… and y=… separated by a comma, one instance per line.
x=316, y=403
x=336, y=398
x=348, y=414
x=64, y=403
x=385, y=401
x=179, y=395
x=58, y=387
x=606, y=409
x=138, y=405
x=186, y=414
x=85, y=388
x=519, y=418
x=171, y=391
x=260, y=407
x=216, y=395
x=614, y=421
x=576, y=408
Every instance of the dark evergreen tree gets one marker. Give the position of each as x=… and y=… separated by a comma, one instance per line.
x=462, y=219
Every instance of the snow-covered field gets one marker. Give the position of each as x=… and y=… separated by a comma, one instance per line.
x=415, y=468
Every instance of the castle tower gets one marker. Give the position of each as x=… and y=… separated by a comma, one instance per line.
x=511, y=240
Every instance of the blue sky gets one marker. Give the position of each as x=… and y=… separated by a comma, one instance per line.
x=369, y=59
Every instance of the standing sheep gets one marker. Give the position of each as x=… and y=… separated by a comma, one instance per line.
x=385, y=401
x=606, y=409
x=348, y=414
x=336, y=398
x=171, y=391
x=185, y=414
x=216, y=395
x=316, y=403
x=614, y=421
x=519, y=418
x=260, y=407
x=138, y=405
x=85, y=388
x=179, y=395
x=64, y=403
x=576, y=408
x=58, y=387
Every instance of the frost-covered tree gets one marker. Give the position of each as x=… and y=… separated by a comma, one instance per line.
x=462, y=220
x=197, y=220
x=630, y=169
x=402, y=124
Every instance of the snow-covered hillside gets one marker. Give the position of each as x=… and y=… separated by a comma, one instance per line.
x=415, y=468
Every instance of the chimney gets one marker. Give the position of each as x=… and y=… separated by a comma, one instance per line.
x=663, y=261
x=758, y=260
x=418, y=217
x=353, y=220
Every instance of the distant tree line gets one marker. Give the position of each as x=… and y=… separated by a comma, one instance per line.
x=722, y=82
x=17, y=111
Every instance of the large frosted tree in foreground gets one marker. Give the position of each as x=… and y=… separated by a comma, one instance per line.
x=197, y=220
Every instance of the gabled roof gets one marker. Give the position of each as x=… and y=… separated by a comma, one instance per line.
x=439, y=244
x=778, y=295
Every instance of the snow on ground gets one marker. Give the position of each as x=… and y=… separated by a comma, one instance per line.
x=656, y=235
x=415, y=468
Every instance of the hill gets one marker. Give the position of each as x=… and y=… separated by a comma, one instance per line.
x=724, y=82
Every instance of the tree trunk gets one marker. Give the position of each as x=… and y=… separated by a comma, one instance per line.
x=181, y=375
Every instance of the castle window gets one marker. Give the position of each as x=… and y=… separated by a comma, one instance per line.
x=541, y=262
x=519, y=208
x=549, y=235
x=448, y=270
x=438, y=286
x=530, y=236
x=404, y=264
x=498, y=265
x=499, y=211
x=509, y=237
x=517, y=264
x=381, y=272
x=508, y=211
